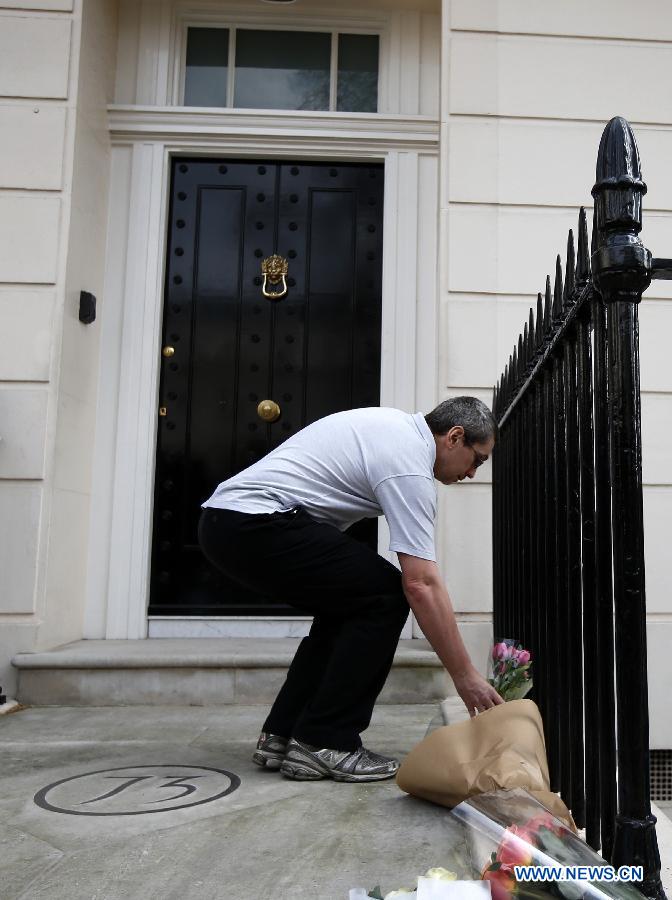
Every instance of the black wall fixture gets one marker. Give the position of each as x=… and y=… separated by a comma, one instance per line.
x=87, y=307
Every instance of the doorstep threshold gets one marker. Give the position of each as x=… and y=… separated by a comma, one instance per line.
x=194, y=652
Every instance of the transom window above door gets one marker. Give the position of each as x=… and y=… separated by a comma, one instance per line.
x=247, y=68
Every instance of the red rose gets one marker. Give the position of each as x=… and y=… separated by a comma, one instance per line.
x=502, y=882
x=515, y=848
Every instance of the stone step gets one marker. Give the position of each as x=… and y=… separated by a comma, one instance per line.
x=197, y=671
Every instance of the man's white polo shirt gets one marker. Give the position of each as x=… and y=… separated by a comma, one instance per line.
x=346, y=467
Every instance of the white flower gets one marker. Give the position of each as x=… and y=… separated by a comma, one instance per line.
x=440, y=874
x=402, y=892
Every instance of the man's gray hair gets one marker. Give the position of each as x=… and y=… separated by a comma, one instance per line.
x=471, y=413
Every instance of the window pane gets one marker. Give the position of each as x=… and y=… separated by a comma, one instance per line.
x=357, y=73
x=282, y=69
x=207, y=67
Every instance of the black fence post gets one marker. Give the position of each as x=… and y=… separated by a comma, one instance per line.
x=622, y=271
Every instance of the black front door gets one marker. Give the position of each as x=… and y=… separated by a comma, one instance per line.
x=227, y=347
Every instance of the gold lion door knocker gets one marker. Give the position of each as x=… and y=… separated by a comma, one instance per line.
x=274, y=269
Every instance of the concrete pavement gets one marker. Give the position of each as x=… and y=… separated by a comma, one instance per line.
x=264, y=837
x=164, y=803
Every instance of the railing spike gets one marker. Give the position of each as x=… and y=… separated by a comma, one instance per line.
x=583, y=258
x=570, y=270
x=525, y=355
x=514, y=371
x=530, y=336
x=547, y=306
x=539, y=337
x=557, y=291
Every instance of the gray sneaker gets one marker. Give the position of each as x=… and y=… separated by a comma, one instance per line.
x=305, y=763
x=270, y=750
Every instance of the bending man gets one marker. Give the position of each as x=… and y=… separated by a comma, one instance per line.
x=277, y=528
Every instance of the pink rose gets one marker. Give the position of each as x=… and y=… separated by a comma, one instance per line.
x=500, y=651
x=524, y=657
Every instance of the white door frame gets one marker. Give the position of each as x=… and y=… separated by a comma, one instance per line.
x=144, y=140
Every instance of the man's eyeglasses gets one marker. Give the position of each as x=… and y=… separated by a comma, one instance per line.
x=479, y=458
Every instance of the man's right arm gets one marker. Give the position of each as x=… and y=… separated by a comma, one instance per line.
x=428, y=598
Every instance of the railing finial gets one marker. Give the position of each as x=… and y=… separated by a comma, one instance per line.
x=619, y=255
x=618, y=187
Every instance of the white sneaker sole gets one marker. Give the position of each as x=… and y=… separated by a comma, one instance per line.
x=302, y=770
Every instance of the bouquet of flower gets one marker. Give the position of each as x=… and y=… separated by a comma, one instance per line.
x=510, y=666
x=435, y=884
x=509, y=829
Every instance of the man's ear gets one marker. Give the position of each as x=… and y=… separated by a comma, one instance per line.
x=455, y=434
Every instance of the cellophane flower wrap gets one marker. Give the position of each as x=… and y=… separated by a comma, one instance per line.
x=510, y=669
x=504, y=829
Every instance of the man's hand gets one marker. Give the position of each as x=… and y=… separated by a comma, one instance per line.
x=475, y=692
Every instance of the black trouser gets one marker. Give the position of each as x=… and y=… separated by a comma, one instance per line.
x=358, y=605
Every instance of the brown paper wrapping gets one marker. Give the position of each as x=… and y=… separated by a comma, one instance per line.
x=499, y=749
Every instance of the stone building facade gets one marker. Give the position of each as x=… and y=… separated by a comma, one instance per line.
x=488, y=116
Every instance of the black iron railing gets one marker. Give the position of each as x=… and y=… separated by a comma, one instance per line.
x=568, y=539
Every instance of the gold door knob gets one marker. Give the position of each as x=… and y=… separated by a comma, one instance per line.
x=168, y=351
x=268, y=410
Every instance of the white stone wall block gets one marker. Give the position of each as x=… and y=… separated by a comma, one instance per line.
x=50, y=5
x=474, y=64
x=516, y=161
x=655, y=327
x=20, y=506
x=506, y=250
x=559, y=77
x=66, y=565
x=599, y=18
x=23, y=426
x=73, y=455
x=659, y=640
x=481, y=331
x=545, y=163
x=25, y=336
x=657, y=236
x=466, y=522
x=477, y=635
x=31, y=149
x=29, y=233
x=656, y=433
x=657, y=520
x=34, y=56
